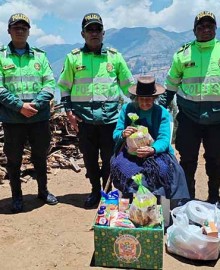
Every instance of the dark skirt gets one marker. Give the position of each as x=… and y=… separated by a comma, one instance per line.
x=163, y=175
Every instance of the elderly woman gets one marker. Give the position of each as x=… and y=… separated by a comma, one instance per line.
x=163, y=175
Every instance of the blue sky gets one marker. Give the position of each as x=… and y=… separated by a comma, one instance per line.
x=59, y=21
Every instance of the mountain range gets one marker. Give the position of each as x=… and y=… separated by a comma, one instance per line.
x=146, y=50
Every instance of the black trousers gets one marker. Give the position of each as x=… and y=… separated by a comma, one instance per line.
x=15, y=136
x=96, y=141
x=189, y=137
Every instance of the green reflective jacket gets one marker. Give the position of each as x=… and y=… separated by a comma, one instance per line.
x=195, y=77
x=91, y=84
x=24, y=78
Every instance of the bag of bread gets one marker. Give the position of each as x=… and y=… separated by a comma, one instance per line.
x=143, y=210
x=139, y=138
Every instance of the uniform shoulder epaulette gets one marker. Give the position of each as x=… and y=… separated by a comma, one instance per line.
x=38, y=50
x=112, y=50
x=75, y=51
x=184, y=47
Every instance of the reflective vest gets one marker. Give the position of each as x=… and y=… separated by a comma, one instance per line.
x=93, y=82
x=195, y=77
x=24, y=78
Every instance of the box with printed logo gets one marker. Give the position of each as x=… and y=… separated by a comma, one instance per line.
x=139, y=248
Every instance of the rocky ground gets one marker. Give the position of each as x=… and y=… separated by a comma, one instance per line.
x=59, y=237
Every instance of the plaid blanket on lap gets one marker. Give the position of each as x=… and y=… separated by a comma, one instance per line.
x=157, y=171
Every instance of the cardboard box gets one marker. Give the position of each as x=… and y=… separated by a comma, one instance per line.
x=140, y=248
x=210, y=229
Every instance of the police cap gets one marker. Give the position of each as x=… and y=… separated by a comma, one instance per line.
x=91, y=18
x=18, y=17
x=204, y=14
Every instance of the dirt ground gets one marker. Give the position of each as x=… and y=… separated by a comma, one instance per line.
x=59, y=237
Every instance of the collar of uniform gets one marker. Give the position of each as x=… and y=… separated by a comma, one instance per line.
x=11, y=49
x=102, y=50
x=210, y=43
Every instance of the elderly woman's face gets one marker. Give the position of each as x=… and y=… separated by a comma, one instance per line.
x=145, y=103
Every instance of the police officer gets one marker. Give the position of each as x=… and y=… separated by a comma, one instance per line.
x=90, y=84
x=195, y=77
x=26, y=88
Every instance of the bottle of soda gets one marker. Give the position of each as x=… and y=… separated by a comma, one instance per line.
x=101, y=218
x=102, y=207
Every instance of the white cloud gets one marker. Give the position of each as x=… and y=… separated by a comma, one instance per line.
x=68, y=14
x=180, y=16
x=49, y=40
x=177, y=17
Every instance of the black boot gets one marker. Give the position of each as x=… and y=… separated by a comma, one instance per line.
x=17, y=205
x=47, y=197
x=17, y=200
x=92, y=200
x=95, y=196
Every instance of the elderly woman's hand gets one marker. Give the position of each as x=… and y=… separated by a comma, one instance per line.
x=145, y=151
x=128, y=131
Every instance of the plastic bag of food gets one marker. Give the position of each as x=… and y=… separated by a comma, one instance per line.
x=188, y=240
x=143, y=210
x=139, y=138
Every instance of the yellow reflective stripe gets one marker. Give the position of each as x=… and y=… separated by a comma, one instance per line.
x=93, y=98
x=127, y=81
x=27, y=96
x=65, y=83
x=48, y=89
x=198, y=97
x=94, y=80
x=83, y=80
x=104, y=80
x=22, y=79
x=173, y=80
x=48, y=78
x=201, y=80
x=171, y=87
x=65, y=94
x=81, y=99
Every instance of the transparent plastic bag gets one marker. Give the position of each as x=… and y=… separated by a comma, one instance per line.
x=187, y=240
x=139, y=138
x=143, y=210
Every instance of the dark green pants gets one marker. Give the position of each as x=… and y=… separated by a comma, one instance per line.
x=96, y=141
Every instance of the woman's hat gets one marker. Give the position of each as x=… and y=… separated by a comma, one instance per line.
x=146, y=87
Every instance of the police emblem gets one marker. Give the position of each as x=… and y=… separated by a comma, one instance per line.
x=37, y=66
x=127, y=248
x=109, y=67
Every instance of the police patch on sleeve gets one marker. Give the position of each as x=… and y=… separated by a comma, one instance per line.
x=37, y=66
x=109, y=67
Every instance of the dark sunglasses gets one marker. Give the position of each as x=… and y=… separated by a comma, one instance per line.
x=92, y=30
